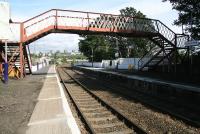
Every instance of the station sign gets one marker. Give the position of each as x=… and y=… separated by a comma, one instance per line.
x=192, y=43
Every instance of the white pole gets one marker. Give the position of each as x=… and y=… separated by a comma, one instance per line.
x=6, y=53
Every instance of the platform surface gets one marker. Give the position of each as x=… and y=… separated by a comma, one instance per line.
x=52, y=114
x=45, y=70
x=182, y=86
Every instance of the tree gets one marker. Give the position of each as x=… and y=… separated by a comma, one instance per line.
x=63, y=59
x=140, y=45
x=100, y=46
x=131, y=12
x=189, y=15
x=105, y=47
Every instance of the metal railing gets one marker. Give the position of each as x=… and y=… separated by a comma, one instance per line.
x=57, y=18
x=101, y=22
x=94, y=21
x=148, y=56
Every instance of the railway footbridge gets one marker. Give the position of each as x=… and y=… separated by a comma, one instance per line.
x=166, y=41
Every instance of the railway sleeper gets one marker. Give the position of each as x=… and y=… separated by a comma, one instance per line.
x=97, y=114
x=90, y=106
x=89, y=110
x=111, y=127
x=103, y=120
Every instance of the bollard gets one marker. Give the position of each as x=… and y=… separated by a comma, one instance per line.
x=5, y=72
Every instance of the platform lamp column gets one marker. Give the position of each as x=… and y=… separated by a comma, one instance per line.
x=6, y=63
x=92, y=56
x=117, y=54
x=176, y=54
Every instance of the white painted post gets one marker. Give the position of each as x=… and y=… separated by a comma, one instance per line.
x=6, y=51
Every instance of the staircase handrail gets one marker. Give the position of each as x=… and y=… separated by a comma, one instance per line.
x=149, y=54
x=166, y=27
x=181, y=39
x=38, y=16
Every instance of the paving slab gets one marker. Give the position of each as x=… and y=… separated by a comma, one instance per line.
x=52, y=114
x=47, y=110
x=50, y=86
x=45, y=70
x=57, y=126
x=50, y=80
x=49, y=94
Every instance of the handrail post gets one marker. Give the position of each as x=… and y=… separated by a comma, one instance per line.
x=88, y=17
x=22, y=30
x=21, y=50
x=135, y=25
x=31, y=62
x=157, y=27
x=175, y=40
x=112, y=27
x=56, y=19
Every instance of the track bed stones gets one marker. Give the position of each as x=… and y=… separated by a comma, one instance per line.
x=138, y=107
x=98, y=116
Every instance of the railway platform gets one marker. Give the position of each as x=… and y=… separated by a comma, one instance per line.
x=52, y=114
x=164, y=89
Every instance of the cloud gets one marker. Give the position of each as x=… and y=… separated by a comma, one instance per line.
x=56, y=42
x=154, y=9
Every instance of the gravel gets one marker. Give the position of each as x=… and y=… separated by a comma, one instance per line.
x=151, y=120
x=17, y=101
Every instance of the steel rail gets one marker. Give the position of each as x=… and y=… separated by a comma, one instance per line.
x=163, y=110
x=117, y=113
x=84, y=119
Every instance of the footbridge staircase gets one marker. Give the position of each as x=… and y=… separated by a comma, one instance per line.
x=15, y=61
x=77, y=22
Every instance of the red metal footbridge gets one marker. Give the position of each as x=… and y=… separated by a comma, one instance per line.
x=166, y=41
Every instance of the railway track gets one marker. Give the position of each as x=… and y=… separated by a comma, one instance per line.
x=189, y=118
x=98, y=116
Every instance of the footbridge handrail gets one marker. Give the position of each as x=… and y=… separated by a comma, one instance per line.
x=96, y=22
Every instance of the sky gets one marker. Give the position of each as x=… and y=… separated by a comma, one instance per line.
x=22, y=10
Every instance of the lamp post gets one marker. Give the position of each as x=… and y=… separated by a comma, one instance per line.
x=129, y=48
x=92, y=55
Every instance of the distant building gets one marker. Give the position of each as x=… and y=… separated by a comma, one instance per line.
x=75, y=53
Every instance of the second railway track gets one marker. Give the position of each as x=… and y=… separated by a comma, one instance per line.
x=98, y=116
x=192, y=120
x=143, y=110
